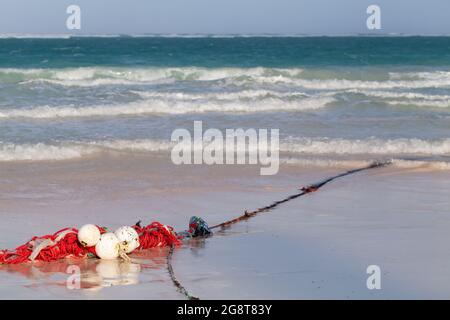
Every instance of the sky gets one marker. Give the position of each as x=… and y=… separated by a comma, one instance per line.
x=332, y=17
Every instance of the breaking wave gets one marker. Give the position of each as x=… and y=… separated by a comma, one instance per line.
x=408, y=98
x=371, y=146
x=315, y=80
x=170, y=106
x=318, y=151
x=95, y=76
x=75, y=150
x=350, y=164
x=270, y=88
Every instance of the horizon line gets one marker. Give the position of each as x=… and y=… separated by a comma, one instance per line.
x=203, y=35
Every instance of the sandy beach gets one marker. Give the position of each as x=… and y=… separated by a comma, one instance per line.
x=317, y=246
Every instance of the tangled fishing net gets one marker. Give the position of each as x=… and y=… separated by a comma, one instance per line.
x=66, y=243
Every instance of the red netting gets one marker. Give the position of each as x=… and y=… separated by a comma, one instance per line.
x=156, y=235
x=64, y=243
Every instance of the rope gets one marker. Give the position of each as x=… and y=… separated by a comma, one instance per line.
x=156, y=235
x=64, y=243
x=248, y=214
x=303, y=191
x=174, y=279
x=61, y=244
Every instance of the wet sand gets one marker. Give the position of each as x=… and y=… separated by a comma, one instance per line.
x=317, y=246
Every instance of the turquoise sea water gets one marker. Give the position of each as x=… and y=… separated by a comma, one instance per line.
x=275, y=52
x=331, y=98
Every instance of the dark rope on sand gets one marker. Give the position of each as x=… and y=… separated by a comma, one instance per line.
x=249, y=214
x=174, y=279
x=303, y=191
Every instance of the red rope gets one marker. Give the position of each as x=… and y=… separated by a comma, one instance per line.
x=156, y=235
x=68, y=245
x=64, y=243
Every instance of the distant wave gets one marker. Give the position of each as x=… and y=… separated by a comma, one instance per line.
x=143, y=35
x=34, y=36
x=96, y=76
x=395, y=148
x=165, y=106
x=205, y=35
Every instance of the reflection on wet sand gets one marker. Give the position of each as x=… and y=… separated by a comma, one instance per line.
x=111, y=273
x=94, y=274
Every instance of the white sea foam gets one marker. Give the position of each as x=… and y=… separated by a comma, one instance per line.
x=344, y=84
x=417, y=164
x=164, y=106
x=324, y=163
x=75, y=150
x=351, y=164
x=423, y=103
x=95, y=76
x=140, y=145
x=372, y=146
x=402, y=95
x=328, y=150
x=41, y=152
x=427, y=75
x=293, y=77
x=238, y=95
x=408, y=98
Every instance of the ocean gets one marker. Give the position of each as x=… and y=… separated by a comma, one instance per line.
x=335, y=100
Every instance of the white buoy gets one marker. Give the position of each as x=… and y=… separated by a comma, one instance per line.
x=128, y=238
x=88, y=235
x=108, y=247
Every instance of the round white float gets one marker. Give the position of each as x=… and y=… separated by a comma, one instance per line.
x=89, y=235
x=128, y=238
x=108, y=247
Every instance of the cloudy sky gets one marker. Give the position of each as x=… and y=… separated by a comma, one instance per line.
x=225, y=16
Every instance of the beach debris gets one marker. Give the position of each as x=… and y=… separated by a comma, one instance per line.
x=89, y=235
x=156, y=235
x=197, y=228
x=69, y=243
x=72, y=243
x=108, y=247
x=61, y=244
x=128, y=239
